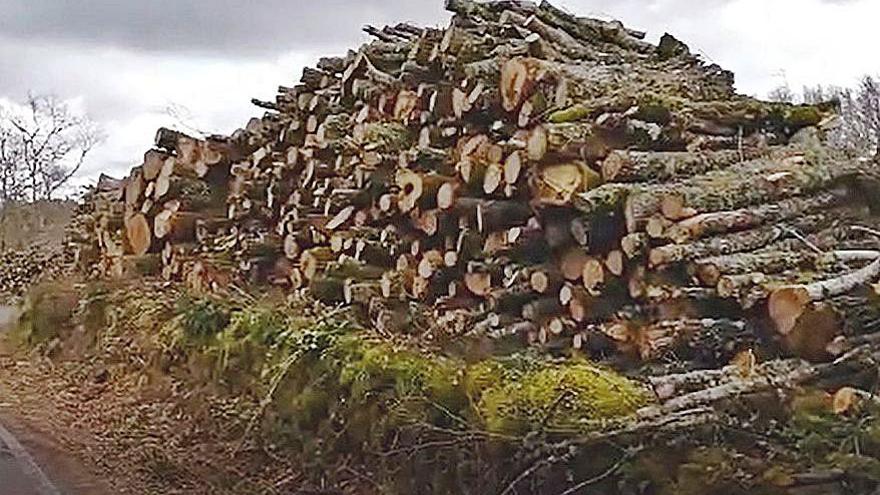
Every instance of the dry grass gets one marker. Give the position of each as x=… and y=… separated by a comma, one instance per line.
x=144, y=431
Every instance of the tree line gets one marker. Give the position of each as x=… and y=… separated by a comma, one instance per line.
x=857, y=129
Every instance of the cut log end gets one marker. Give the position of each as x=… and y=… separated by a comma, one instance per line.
x=139, y=236
x=786, y=305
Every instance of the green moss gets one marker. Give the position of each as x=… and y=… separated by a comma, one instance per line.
x=573, y=113
x=567, y=396
x=388, y=136
x=803, y=116
x=203, y=318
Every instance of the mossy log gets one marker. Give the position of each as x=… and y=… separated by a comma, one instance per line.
x=728, y=221
x=737, y=242
x=756, y=182
x=710, y=270
x=641, y=166
x=709, y=342
x=602, y=200
x=328, y=290
x=196, y=192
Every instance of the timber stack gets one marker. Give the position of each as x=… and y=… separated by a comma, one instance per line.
x=523, y=173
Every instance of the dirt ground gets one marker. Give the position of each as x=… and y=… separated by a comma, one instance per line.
x=99, y=434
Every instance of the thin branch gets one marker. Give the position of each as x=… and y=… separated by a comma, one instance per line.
x=592, y=481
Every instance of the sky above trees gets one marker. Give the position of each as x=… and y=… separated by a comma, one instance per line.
x=135, y=66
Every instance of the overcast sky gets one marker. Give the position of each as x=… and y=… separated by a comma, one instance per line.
x=126, y=62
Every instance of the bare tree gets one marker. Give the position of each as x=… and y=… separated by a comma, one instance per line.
x=10, y=183
x=782, y=94
x=43, y=144
x=858, y=129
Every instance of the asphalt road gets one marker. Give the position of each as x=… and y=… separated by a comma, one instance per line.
x=19, y=473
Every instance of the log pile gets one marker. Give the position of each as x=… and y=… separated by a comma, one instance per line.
x=23, y=268
x=522, y=172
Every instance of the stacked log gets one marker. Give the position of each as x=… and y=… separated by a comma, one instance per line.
x=527, y=172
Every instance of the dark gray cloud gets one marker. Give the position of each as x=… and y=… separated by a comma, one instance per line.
x=231, y=27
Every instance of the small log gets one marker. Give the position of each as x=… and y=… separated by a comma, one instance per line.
x=573, y=264
x=176, y=227
x=722, y=222
x=641, y=166
x=760, y=181
x=710, y=270
x=594, y=276
x=615, y=263
x=546, y=280
x=314, y=261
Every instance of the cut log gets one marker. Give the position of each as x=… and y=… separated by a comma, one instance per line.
x=134, y=187
x=748, y=184
x=315, y=261
x=737, y=242
x=557, y=184
x=728, y=221
x=594, y=276
x=519, y=76
x=710, y=270
x=138, y=233
x=640, y=166
x=154, y=162
x=787, y=304
x=176, y=227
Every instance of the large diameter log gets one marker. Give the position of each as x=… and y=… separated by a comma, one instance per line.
x=557, y=184
x=167, y=138
x=138, y=233
x=519, y=77
x=154, y=161
x=134, y=187
x=787, y=304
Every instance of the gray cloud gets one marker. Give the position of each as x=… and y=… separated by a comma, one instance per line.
x=230, y=27
x=124, y=61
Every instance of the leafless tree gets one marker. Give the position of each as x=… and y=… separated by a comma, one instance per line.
x=782, y=94
x=43, y=144
x=858, y=128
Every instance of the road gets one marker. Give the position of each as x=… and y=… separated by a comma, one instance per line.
x=19, y=473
